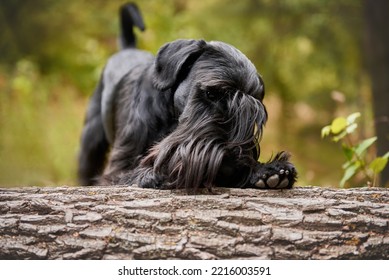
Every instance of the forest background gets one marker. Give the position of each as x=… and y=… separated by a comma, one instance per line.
x=311, y=54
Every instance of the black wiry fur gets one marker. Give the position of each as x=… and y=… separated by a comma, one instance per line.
x=191, y=117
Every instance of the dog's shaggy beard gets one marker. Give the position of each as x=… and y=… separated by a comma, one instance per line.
x=208, y=133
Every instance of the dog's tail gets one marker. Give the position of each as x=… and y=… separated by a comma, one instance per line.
x=130, y=17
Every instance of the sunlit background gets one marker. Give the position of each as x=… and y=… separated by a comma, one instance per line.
x=309, y=53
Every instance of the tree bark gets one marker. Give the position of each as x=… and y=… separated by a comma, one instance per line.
x=121, y=222
x=377, y=56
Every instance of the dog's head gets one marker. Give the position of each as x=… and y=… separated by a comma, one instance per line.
x=218, y=97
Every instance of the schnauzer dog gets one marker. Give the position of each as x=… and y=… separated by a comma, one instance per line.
x=191, y=117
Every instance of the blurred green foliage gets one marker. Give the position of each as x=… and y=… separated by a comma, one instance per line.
x=358, y=164
x=52, y=53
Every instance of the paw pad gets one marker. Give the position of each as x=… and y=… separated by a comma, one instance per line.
x=273, y=180
x=281, y=179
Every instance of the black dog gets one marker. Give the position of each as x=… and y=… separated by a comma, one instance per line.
x=191, y=117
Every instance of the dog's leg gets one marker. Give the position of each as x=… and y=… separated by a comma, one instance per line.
x=278, y=173
x=94, y=145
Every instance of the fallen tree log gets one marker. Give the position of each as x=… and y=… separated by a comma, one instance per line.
x=120, y=222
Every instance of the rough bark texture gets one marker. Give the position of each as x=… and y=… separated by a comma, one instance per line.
x=131, y=223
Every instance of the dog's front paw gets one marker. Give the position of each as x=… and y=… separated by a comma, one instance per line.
x=279, y=173
x=283, y=179
x=151, y=181
x=147, y=178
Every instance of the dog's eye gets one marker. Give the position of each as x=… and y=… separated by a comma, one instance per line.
x=211, y=95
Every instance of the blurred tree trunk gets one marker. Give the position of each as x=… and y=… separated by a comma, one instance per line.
x=377, y=54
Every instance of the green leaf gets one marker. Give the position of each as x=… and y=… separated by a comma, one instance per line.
x=351, y=128
x=325, y=131
x=378, y=164
x=386, y=155
x=339, y=137
x=348, y=152
x=338, y=125
x=353, y=117
x=349, y=172
x=347, y=164
x=364, y=145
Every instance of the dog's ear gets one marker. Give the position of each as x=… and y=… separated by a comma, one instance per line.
x=174, y=61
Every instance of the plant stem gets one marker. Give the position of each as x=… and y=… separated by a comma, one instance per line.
x=363, y=163
x=374, y=179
